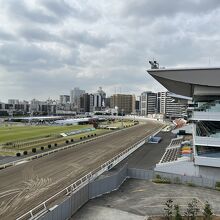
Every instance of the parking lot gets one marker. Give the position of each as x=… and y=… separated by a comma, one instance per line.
x=137, y=199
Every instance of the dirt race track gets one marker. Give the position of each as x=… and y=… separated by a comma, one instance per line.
x=24, y=186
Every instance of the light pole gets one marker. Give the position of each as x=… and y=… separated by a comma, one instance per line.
x=122, y=113
x=116, y=109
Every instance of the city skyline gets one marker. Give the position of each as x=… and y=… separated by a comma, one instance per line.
x=119, y=91
x=47, y=46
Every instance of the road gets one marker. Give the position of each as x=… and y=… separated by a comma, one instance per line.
x=24, y=186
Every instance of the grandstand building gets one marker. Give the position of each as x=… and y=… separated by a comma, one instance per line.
x=201, y=155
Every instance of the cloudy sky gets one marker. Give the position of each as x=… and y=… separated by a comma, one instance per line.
x=48, y=47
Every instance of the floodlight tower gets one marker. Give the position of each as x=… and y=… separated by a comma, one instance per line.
x=154, y=64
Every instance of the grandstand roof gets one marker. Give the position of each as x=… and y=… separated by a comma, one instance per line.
x=189, y=81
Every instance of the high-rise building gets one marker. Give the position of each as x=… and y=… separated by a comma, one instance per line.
x=85, y=103
x=75, y=96
x=13, y=101
x=124, y=103
x=14, y=107
x=107, y=102
x=161, y=102
x=98, y=100
x=137, y=107
x=103, y=97
x=42, y=107
x=148, y=103
x=64, y=99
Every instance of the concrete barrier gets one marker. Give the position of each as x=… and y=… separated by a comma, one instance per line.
x=100, y=186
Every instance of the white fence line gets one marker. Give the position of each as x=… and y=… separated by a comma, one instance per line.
x=74, y=187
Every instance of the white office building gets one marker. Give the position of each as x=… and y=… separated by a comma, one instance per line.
x=148, y=103
x=172, y=105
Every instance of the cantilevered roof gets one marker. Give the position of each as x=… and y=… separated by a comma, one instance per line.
x=189, y=81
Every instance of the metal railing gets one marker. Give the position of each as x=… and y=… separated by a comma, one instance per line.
x=74, y=187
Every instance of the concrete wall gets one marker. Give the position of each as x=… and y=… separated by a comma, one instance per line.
x=174, y=178
x=140, y=174
x=178, y=167
x=209, y=172
x=67, y=208
x=104, y=184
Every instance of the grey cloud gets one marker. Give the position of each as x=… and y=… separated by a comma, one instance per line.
x=19, y=11
x=5, y=36
x=58, y=45
x=159, y=8
x=84, y=37
x=24, y=57
x=38, y=34
x=59, y=7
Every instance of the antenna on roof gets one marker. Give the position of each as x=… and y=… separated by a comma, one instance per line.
x=154, y=64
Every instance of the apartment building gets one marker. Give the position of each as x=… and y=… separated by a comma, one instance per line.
x=125, y=103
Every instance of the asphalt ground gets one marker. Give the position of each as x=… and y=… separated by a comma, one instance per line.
x=138, y=199
x=24, y=186
x=149, y=155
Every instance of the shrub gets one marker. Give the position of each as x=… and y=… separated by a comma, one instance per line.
x=191, y=184
x=42, y=148
x=81, y=138
x=207, y=211
x=168, y=210
x=163, y=181
x=84, y=137
x=49, y=146
x=18, y=154
x=88, y=136
x=95, y=134
x=34, y=150
x=72, y=140
x=217, y=185
x=25, y=152
x=158, y=176
x=91, y=135
x=177, y=214
x=192, y=210
x=67, y=141
x=55, y=145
